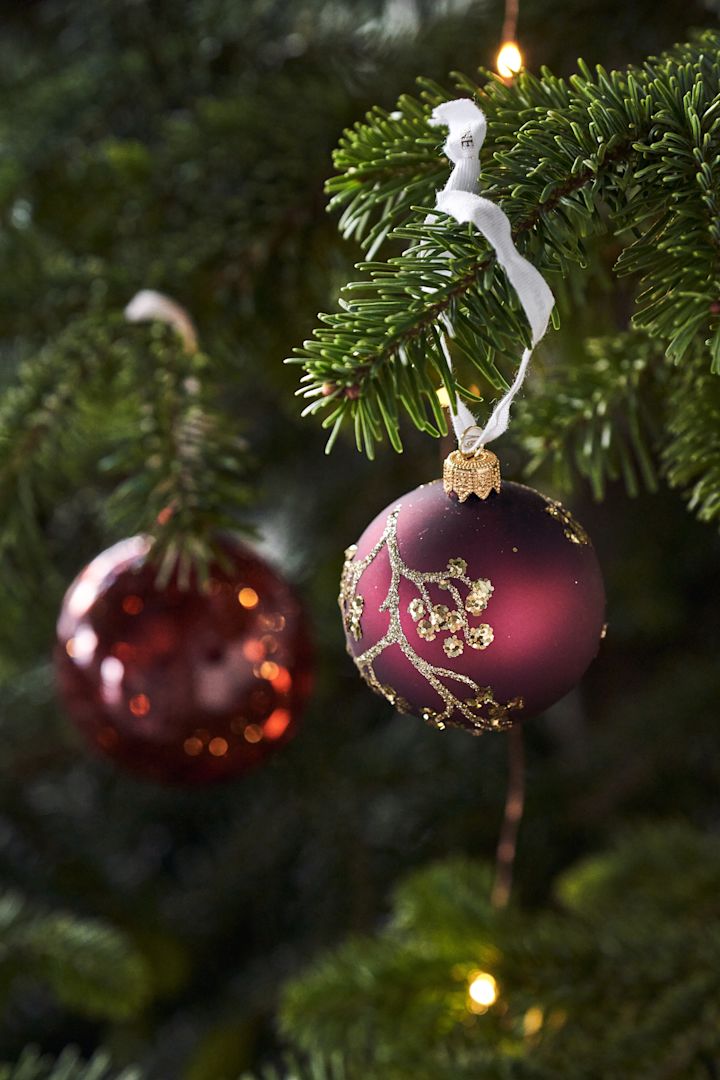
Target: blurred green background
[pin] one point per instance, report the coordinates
(183, 146)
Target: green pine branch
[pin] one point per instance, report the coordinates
(92, 968)
(692, 453)
(307, 1067)
(126, 408)
(33, 1065)
(182, 462)
(597, 417)
(622, 160)
(385, 166)
(627, 962)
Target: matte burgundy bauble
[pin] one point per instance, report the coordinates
(182, 684)
(475, 613)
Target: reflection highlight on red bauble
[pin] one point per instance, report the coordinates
(189, 684)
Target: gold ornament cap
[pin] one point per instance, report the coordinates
(471, 474)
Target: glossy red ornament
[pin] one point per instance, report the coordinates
(182, 685)
(475, 613)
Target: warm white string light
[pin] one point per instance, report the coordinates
(509, 60)
(482, 991)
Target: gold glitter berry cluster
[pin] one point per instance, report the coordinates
(433, 619)
(477, 712)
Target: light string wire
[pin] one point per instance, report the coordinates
(512, 11)
(467, 126)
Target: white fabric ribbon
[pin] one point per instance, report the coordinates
(466, 132)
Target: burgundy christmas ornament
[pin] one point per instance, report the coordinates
(183, 685)
(474, 604)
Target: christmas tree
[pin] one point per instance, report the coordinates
(333, 911)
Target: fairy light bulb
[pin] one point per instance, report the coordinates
(444, 398)
(482, 991)
(509, 60)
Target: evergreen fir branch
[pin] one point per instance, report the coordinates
(33, 1065)
(386, 165)
(602, 142)
(454, 1065)
(34, 412)
(681, 247)
(636, 869)
(310, 1067)
(183, 464)
(449, 899)
(692, 453)
(596, 417)
(92, 968)
(176, 457)
(415, 973)
(392, 161)
(385, 344)
(38, 436)
(637, 973)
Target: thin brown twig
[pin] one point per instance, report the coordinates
(514, 804)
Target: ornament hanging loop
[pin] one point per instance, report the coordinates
(151, 306)
(471, 442)
(467, 126)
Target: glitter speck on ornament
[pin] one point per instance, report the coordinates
(184, 685)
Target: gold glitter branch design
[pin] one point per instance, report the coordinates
(479, 708)
(573, 530)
